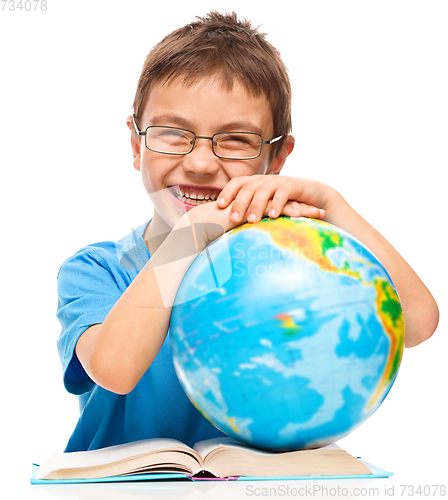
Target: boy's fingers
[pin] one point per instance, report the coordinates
(295, 209)
(263, 197)
(231, 190)
(279, 201)
(242, 201)
(257, 196)
(254, 197)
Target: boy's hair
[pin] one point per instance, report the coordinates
(221, 44)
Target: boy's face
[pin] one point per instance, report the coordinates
(204, 108)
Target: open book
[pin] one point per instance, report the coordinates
(218, 458)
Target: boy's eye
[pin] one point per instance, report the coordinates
(238, 141)
(175, 134)
(168, 140)
(168, 132)
(236, 138)
(169, 135)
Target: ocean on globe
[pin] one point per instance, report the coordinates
(287, 334)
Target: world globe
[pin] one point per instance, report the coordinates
(287, 334)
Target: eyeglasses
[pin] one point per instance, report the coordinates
(226, 145)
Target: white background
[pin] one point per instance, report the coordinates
(370, 109)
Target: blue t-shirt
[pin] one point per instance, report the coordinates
(89, 284)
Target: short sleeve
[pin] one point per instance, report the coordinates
(87, 291)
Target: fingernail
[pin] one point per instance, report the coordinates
(252, 218)
(221, 200)
(273, 213)
(235, 216)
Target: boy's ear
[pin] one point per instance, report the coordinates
(135, 142)
(280, 157)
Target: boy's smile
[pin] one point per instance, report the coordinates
(192, 196)
(205, 108)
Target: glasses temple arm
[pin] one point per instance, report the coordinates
(273, 140)
(139, 132)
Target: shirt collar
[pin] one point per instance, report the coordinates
(132, 252)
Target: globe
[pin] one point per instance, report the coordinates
(287, 334)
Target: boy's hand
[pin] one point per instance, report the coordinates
(258, 196)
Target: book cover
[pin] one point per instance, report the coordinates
(376, 473)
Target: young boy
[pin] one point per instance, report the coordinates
(211, 122)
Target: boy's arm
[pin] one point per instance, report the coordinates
(117, 353)
(258, 194)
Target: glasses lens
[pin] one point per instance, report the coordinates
(238, 145)
(169, 140)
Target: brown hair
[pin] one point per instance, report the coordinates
(224, 45)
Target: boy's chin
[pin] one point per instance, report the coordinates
(171, 216)
(167, 207)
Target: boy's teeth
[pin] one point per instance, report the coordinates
(197, 198)
(192, 201)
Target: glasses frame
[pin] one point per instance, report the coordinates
(212, 138)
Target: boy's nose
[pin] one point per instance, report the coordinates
(202, 160)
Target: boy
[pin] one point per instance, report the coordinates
(211, 122)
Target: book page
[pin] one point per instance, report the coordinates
(209, 445)
(111, 454)
(226, 457)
